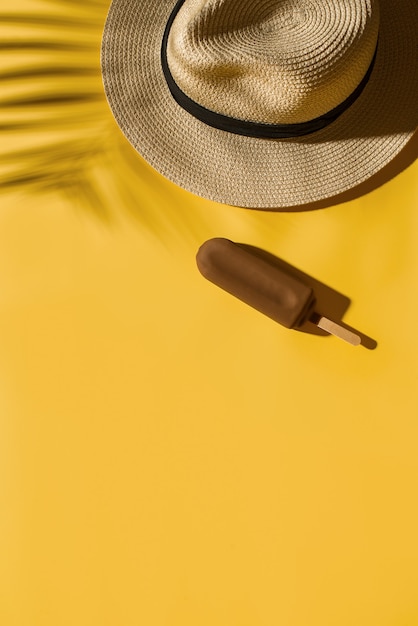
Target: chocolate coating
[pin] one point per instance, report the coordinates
(252, 279)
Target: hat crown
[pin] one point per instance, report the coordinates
(272, 61)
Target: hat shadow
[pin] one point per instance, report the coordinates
(328, 302)
(401, 162)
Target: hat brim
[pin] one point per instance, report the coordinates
(252, 172)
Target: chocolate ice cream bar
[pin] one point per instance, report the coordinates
(266, 287)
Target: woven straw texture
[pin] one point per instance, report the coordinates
(274, 62)
(266, 61)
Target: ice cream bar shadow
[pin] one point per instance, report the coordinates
(277, 289)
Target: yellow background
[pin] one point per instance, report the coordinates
(168, 456)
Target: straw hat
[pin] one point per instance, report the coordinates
(264, 103)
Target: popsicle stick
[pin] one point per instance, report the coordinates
(339, 331)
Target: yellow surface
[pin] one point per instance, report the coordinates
(168, 456)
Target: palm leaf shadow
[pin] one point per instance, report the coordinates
(49, 83)
(57, 129)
